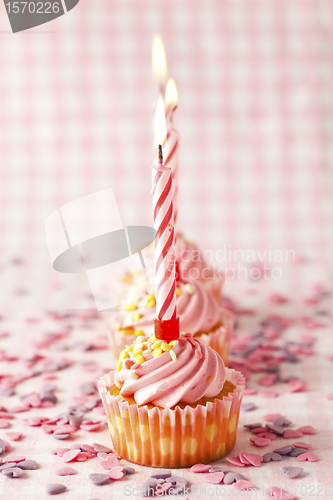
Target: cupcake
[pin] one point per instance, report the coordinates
(191, 266)
(197, 308)
(172, 404)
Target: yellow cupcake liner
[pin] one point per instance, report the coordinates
(173, 437)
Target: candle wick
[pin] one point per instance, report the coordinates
(160, 154)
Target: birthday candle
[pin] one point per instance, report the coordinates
(170, 148)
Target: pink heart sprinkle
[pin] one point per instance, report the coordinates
(15, 458)
(116, 473)
(306, 446)
(271, 417)
(197, 468)
(260, 441)
(296, 386)
(253, 458)
(70, 455)
(249, 391)
(109, 463)
(258, 430)
(292, 433)
(90, 427)
(235, 461)
(330, 396)
(308, 456)
(4, 424)
(8, 446)
(307, 429)
(82, 457)
(243, 459)
(242, 484)
(267, 380)
(65, 471)
(13, 436)
(267, 435)
(214, 477)
(268, 394)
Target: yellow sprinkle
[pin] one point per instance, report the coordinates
(152, 338)
(166, 347)
(138, 333)
(156, 345)
(136, 316)
(124, 354)
(119, 366)
(127, 331)
(137, 353)
(178, 291)
(133, 376)
(157, 352)
(151, 301)
(129, 348)
(171, 342)
(129, 307)
(140, 359)
(173, 355)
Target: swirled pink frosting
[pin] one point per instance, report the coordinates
(197, 309)
(198, 371)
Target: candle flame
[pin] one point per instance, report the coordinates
(171, 96)
(159, 124)
(160, 70)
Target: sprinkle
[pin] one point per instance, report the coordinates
(214, 477)
(235, 461)
(65, 471)
(173, 355)
(152, 338)
(15, 458)
(151, 301)
(252, 458)
(243, 485)
(271, 417)
(257, 441)
(292, 433)
(141, 338)
(12, 472)
(70, 455)
(292, 472)
(175, 342)
(28, 465)
(140, 359)
(137, 353)
(189, 289)
(138, 346)
(55, 488)
(99, 479)
(198, 468)
(116, 473)
(157, 345)
(139, 333)
(13, 436)
(119, 366)
(136, 316)
(124, 354)
(166, 347)
(118, 384)
(178, 291)
(309, 456)
(271, 457)
(232, 477)
(133, 375)
(129, 470)
(306, 446)
(307, 429)
(157, 352)
(129, 307)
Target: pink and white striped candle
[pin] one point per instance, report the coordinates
(165, 283)
(170, 148)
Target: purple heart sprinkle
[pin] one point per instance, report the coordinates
(99, 479)
(28, 465)
(232, 477)
(161, 474)
(292, 472)
(271, 457)
(284, 451)
(12, 472)
(55, 488)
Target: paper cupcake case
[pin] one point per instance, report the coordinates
(219, 339)
(173, 437)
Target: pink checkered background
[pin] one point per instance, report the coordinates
(255, 120)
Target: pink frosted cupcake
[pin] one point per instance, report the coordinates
(197, 308)
(172, 404)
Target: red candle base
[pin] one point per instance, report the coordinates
(167, 329)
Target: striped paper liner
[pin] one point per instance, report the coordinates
(173, 437)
